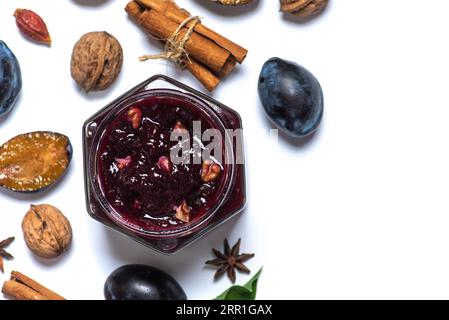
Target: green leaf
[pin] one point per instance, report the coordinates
(245, 292)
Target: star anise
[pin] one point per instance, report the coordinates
(3, 253)
(229, 260)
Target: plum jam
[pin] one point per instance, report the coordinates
(137, 175)
(146, 173)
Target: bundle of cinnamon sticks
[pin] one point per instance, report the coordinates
(209, 56)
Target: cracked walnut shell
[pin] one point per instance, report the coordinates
(96, 61)
(46, 230)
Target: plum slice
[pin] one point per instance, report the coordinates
(34, 161)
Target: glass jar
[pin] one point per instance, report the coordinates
(230, 196)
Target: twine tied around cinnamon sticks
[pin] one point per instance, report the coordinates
(206, 54)
(174, 47)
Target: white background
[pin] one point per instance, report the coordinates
(358, 211)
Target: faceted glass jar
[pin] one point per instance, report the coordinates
(231, 197)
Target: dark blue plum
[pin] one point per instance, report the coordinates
(10, 78)
(140, 282)
(291, 96)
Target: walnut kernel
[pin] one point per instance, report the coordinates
(210, 171)
(183, 212)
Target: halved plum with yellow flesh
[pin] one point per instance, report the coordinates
(33, 161)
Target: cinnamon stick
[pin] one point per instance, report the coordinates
(207, 78)
(22, 287)
(198, 47)
(228, 67)
(171, 10)
(19, 291)
(134, 10)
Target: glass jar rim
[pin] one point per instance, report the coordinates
(229, 177)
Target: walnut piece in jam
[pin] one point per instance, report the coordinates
(138, 177)
(210, 171)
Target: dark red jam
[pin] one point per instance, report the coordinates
(137, 175)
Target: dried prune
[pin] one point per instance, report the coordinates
(10, 78)
(33, 161)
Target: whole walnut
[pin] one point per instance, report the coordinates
(96, 61)
(233, 2)
(303, 9)
(46, 230)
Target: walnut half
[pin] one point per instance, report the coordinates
(46, 230)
